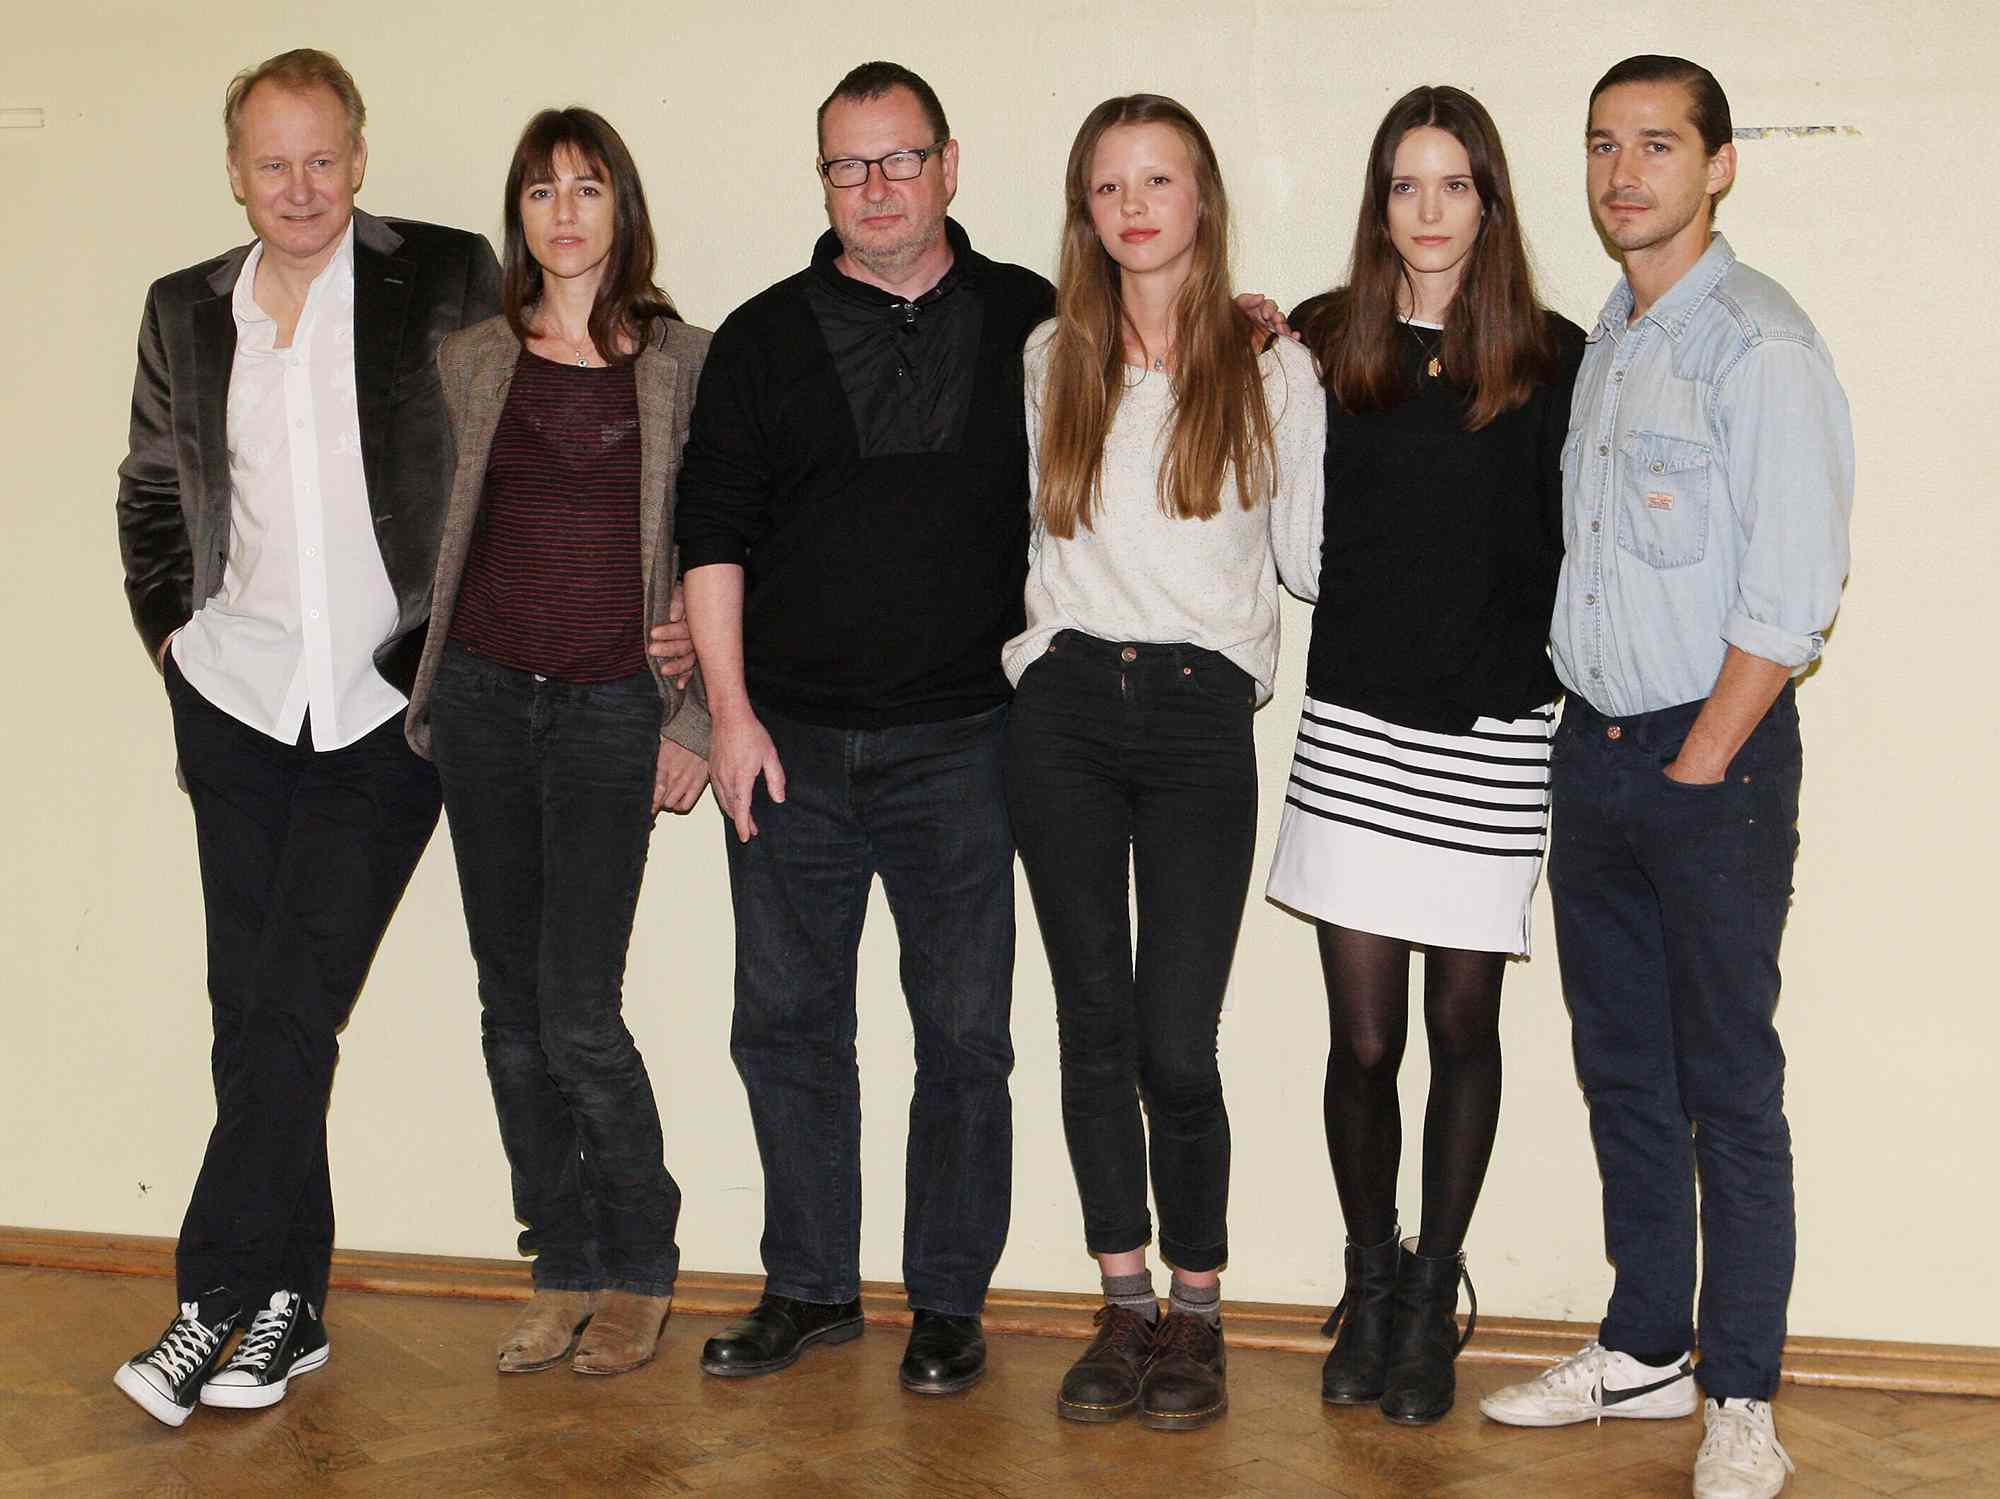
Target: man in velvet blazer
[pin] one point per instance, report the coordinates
(279, 513)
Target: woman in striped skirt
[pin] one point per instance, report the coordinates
(1418, 803)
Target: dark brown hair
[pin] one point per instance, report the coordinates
(1496, 341)
(871, 80)
(1708, 106)
(300, 69)
(628, 303)
(1221, 422)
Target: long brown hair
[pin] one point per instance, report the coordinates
(1496, 340)
(627, 302)
(1221, 422)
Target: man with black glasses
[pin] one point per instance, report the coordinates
(853, 530)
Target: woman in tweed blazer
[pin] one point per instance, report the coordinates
(556, 742)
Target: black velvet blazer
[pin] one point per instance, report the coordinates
(413, 284)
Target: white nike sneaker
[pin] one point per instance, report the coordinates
(1740, 1457)
(1595, 1383)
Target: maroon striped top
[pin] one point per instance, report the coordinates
(552, 582)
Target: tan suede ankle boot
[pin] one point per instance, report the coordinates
(545, 1332)
(623, 1335)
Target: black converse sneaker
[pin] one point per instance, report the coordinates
(167, 1377)
(285, 1338)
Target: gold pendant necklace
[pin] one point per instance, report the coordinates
(1435, 367)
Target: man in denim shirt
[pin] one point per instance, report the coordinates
(1707, 479)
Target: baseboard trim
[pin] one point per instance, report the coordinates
(1851, 1363)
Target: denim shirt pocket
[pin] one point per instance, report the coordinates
(1663, 499)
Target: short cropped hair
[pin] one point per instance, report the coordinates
(1708, 106)
(874, 79)
(297, 70)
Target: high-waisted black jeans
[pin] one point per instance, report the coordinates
(1127, 757)
(548, 791)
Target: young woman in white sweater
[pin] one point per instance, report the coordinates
(1165, 448)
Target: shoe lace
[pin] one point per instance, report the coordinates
(261, 1341)
(1581, 1375)
(186, 1346)
(1119, 1325)
(1737, 1438)
(1180, 1333)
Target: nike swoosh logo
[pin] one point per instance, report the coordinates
(1610, 1396)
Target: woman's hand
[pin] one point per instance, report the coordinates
(1266, 315)
(671, 645)
(739, 750)
(678, 778)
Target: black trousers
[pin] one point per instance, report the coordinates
(1130, 768)
(303, 858)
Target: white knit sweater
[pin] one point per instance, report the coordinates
(1142, 575)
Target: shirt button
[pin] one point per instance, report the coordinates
(1617, 375)
(1614, 732)
(300, 424)
(1588, 598)
(1597, 525)
(1603, 448)
(312, 551)
(1596, 675)
(1659, 468)
(1130, 653)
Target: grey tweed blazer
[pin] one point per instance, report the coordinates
(478, 366)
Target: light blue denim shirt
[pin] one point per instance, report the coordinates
(1707, 478)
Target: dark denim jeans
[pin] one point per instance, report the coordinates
(922, 805)
(1138, 758)
(548, 789)
(303, 858)
(1670, 902)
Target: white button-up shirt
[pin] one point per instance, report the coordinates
(305, 600)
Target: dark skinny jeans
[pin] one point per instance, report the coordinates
(548, 790)
(1128, 757)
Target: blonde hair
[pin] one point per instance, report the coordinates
(1221, 422)
(297, 70)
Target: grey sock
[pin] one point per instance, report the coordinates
(1134, 1291)
(1204, 1302)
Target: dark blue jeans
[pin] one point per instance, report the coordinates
(1670, 902)
(1138, 759)
(548, 789)
(921, 805)
(303, 858)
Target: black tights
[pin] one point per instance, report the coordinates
(1368, 1008)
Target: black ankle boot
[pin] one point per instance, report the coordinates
(1420, 1385)
(1354, 1371)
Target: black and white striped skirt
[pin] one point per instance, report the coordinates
(1435, 839)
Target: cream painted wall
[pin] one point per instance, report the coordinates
(1882, 235)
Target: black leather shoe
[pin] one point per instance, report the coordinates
(1354, 1371)
(1184, 1386)
(1103, 1385)
(777, 1330)
(1420, 1386)
(946, 1354)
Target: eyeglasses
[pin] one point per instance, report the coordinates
(897, 166)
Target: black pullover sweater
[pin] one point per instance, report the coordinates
(865, 459)
(1438, 571)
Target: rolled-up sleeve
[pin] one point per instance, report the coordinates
(723, 501)
(1791, 486)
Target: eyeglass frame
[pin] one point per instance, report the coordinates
(923, 155)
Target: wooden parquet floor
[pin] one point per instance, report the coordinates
(409, 1406)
